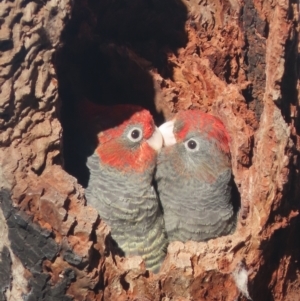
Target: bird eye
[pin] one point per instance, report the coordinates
(192, 145)
(135, 135)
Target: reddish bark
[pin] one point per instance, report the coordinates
(236, 60)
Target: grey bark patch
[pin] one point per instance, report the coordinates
(31, 244)
(72, 258)
(5, 272)
(256, 33)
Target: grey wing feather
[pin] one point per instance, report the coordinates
(132, 211)
(196, 210)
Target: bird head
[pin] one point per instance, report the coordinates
(198, 141)
(126, 136)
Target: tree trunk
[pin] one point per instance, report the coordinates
(237, 60)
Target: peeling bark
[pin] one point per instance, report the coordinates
(238, 61)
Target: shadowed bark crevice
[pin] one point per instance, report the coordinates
(236, 60)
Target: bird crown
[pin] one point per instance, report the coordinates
(209, 125)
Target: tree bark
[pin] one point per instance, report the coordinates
(236, 60)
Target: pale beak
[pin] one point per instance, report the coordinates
(156, 140)
(166, 130)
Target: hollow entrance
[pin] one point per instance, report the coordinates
(109, 49)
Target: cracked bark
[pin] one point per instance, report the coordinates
(237, 61)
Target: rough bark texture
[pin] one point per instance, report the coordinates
(236, 60)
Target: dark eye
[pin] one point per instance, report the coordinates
(192, 144)
(135, 134)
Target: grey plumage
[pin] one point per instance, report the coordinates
(124, 143)
(128, 203)
(194, 185)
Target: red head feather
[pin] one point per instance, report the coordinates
(206, 124)
(108, 123)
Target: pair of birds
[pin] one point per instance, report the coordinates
(192, 172)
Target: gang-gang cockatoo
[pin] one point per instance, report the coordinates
(124, 143)
(194, 177)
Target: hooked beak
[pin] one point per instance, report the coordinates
(166, 130)
(156, 140)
